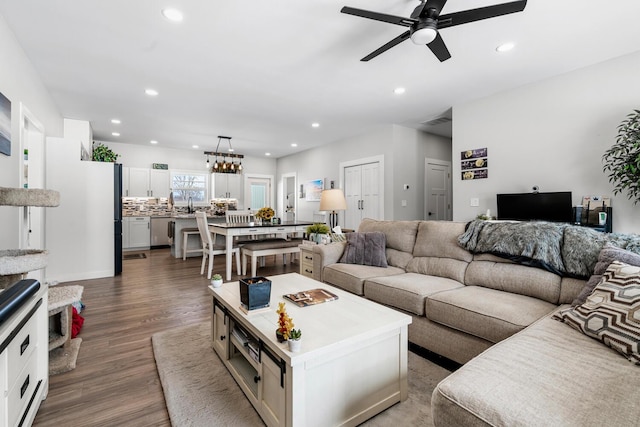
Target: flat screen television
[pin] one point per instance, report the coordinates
(554, 207)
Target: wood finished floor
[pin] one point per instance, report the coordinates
(115, 382)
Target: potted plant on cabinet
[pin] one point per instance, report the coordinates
(622, 160)
(102, 153)
(216, 280)
(315, 232)
(295, 340)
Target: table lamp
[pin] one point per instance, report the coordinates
(333, 200)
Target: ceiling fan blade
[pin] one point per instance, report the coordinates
(472, 15)
(391, 19)
(402, 37)
(439, 49)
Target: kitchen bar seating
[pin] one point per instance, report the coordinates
(209, 249)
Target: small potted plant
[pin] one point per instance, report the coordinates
(295, 340)
(216, 280)
(285, 324)
(315, 231)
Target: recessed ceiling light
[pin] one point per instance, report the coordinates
(115, 134)
(505, 47)
(195, 146)
(153, 141)
(115, 121)
(399, 90)
(315, 125)
(151, 92)
(267, 154)
(294, 145)
(172, 14)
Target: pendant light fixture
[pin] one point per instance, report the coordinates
(224, 166)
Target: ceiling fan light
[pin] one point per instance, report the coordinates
(424, 35)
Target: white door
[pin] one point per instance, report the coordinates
(159, 183)
(32, 171)
(139, 232)
(138, 182)
(437, 190)
(258, 194)
(362, 191)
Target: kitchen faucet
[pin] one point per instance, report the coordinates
(190, 205)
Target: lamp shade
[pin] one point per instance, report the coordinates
(332, 200)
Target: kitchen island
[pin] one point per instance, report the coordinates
(183, 221)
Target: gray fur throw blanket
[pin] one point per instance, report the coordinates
(564, 249)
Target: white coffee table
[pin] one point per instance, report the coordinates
(353, 362)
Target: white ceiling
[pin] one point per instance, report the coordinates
(263, 71)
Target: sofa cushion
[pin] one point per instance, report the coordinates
(607, 255)
(351, 277)
(515, 278)
(443, 267)
(365, 249)
(440, 239)
(547, 375)
(611, 314)
(398, 258)
(400, 235)
(486, 313)
(406, 291)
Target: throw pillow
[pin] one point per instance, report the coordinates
(365, 249)
(607, 255)
(611, 314)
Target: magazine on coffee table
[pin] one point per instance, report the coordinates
(311, 297)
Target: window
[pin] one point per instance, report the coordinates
(190, 184)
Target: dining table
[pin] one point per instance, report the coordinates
(251, 229)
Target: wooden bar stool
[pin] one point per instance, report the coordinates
(186, 232)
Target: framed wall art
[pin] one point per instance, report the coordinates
(474, 164)
(313, 190)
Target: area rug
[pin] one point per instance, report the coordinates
(133, 256)
(199, 391)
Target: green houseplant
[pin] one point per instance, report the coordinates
(622, 160)
(216, 280)
(315, 231)
(102, 153)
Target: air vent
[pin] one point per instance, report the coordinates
(437, 121)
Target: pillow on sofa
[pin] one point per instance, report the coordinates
(607, 255)
(365, 249)
(609, 313)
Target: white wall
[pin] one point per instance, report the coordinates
(80, 232)
(551, 134)
(143, 156)
(20, 84)
(404, 151)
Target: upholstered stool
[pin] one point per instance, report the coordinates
(186, 232)
(63, 351)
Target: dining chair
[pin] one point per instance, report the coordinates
(235, 217)
(209, 247)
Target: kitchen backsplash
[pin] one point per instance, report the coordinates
(145, 206)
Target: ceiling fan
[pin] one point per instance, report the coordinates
(425, 21)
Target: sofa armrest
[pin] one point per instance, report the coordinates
(324, 255)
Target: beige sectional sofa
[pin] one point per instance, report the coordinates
(463, 304)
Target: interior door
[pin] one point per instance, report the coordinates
(353, 194)
(437, 194)
(370, 191)
(32, 218)
(259, 193)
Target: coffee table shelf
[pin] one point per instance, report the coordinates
(366, 343)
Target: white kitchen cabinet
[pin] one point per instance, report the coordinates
(227, 186)
(159, 183)
(143, 182)
(138, 182)
(136, 232)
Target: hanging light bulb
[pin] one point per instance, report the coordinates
(240, 165)
(215, 165)
(233, 166)
(224, 164)
(207, 161)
